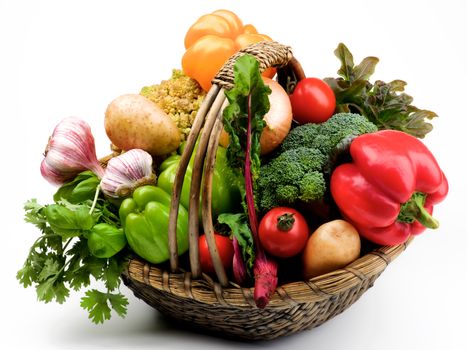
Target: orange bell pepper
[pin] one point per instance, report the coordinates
(211, 40)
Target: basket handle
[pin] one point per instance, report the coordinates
(268, 54)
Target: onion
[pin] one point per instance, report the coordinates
(278, 119)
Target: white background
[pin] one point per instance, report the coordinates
(61, 58)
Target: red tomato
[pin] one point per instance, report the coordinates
(224, 247)
(313, 101)
(283, 232)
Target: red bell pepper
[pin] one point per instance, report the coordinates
(388, 190)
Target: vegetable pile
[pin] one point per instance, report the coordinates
(308, 172)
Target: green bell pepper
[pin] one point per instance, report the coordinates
(145, 220)
(225, 184)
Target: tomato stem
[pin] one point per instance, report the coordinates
(285, 222)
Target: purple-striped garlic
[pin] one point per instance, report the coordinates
(126, 172)
(70, 150)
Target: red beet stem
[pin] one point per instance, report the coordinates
(238, 265)
(265, 270)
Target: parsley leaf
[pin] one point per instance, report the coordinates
(97, 303)
(118, 303)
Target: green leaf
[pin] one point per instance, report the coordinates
(85, 190)
(365, 69)
(96, 303)
(247, 82)
(67, 222)
(113, 272)
(384, 104)
(51, 289)
(107, 213)
(95, 266)
(45, 290)
(347, 64)
(352, 93)
(79, 277)
(82, 188)
(238, 224)
(84, 220)
(118, 303)
(397, 85)
(61, 292)
(26, 275)
(104, 240)
(52, 267)
(33, 214)
(53, 242)
(337, 84)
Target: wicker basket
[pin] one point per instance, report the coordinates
(221, 306)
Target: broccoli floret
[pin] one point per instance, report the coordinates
(297, 173)
(301, 136)
(326, 136)
(312, 186)
(286, 194)
(339, 127)
(294, 174)
(180, 97)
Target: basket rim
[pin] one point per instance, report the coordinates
(208, 291)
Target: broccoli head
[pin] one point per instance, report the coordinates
(294, 174)
(326, 136)
(299, 170)
(339, 127)
(301, 136)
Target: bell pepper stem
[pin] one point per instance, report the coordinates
(414, 209)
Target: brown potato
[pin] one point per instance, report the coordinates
(133, 121)
(332, 246)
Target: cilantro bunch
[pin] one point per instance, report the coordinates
(61, 260)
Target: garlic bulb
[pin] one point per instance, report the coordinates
(70, 150)
(127, 172)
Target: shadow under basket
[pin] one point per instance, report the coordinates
(218, 305)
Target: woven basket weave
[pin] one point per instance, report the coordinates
(221, 306)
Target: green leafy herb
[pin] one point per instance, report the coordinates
(99, 305)
(243, 120)
(384, 104)
(106, 240)
(67, 222)
(248, 86)
(62, 258)
(82, 188)
(238, 224)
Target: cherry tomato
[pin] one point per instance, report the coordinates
(224, 247)
(283, 232)
(313, 101)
